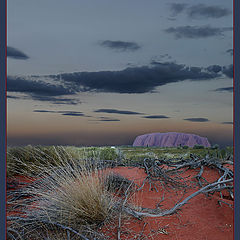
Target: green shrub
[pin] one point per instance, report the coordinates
(108, 154)
(197, 146)
(185, 147)
(215, 146)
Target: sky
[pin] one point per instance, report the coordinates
(103, 72)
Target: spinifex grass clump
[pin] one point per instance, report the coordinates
(31, 160)
(67, 196)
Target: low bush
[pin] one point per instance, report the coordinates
(198, 146)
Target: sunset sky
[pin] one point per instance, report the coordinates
(101, 72)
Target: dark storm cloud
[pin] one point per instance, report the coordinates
(120, 45)
(194, 32)
(134, 79)
(40, 90)
(196, 119)
(116, 111)
(156, 117)
(230, 51)
(228, 71)
(204, 11)
(16, 54)
(177, 8)
(225, 89)
(227, 123)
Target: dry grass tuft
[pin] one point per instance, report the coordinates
(67, 196)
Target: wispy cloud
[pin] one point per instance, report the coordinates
(199, 11)
(228, 71)
(230, 51)
(156, 117)
(104, 119)
(116, 111)
(64, 113)
(120, 45)
(224, 89)
(227, 123)
(196, 119)
(177, 8)
(207, 11)
(194, 32)
(16, 54)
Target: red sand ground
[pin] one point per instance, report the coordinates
(203, 218)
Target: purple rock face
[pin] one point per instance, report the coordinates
(170, 139)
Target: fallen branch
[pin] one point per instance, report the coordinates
(177, 206)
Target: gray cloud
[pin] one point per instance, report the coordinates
(13, 97)
(177, 8)
(16, 54)
(116, 111)
(18, 84)
(131, 80)
(196, 119)
(214, 68)
(40, 90)
(64, 113)
(227, 123)
(228, 70)
(156, 117)
(194, 32)
(225, 89)
(104, 119)
(120, 45)
(135, 79)
(109, 120)
(73, 114)
(44, 111)
(204, 11)
(230, 51)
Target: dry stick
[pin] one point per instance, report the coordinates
(177, 206)
(139, 238)
(199, 176)
(9, 230)
(120, 214)
(230, 205)
(52, 223)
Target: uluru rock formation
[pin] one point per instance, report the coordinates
(170, 139)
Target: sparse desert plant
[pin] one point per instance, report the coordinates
(197, 146)
(31, 160)
(67, 195)
(185, 147)
(108, 153)
(215, 146)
